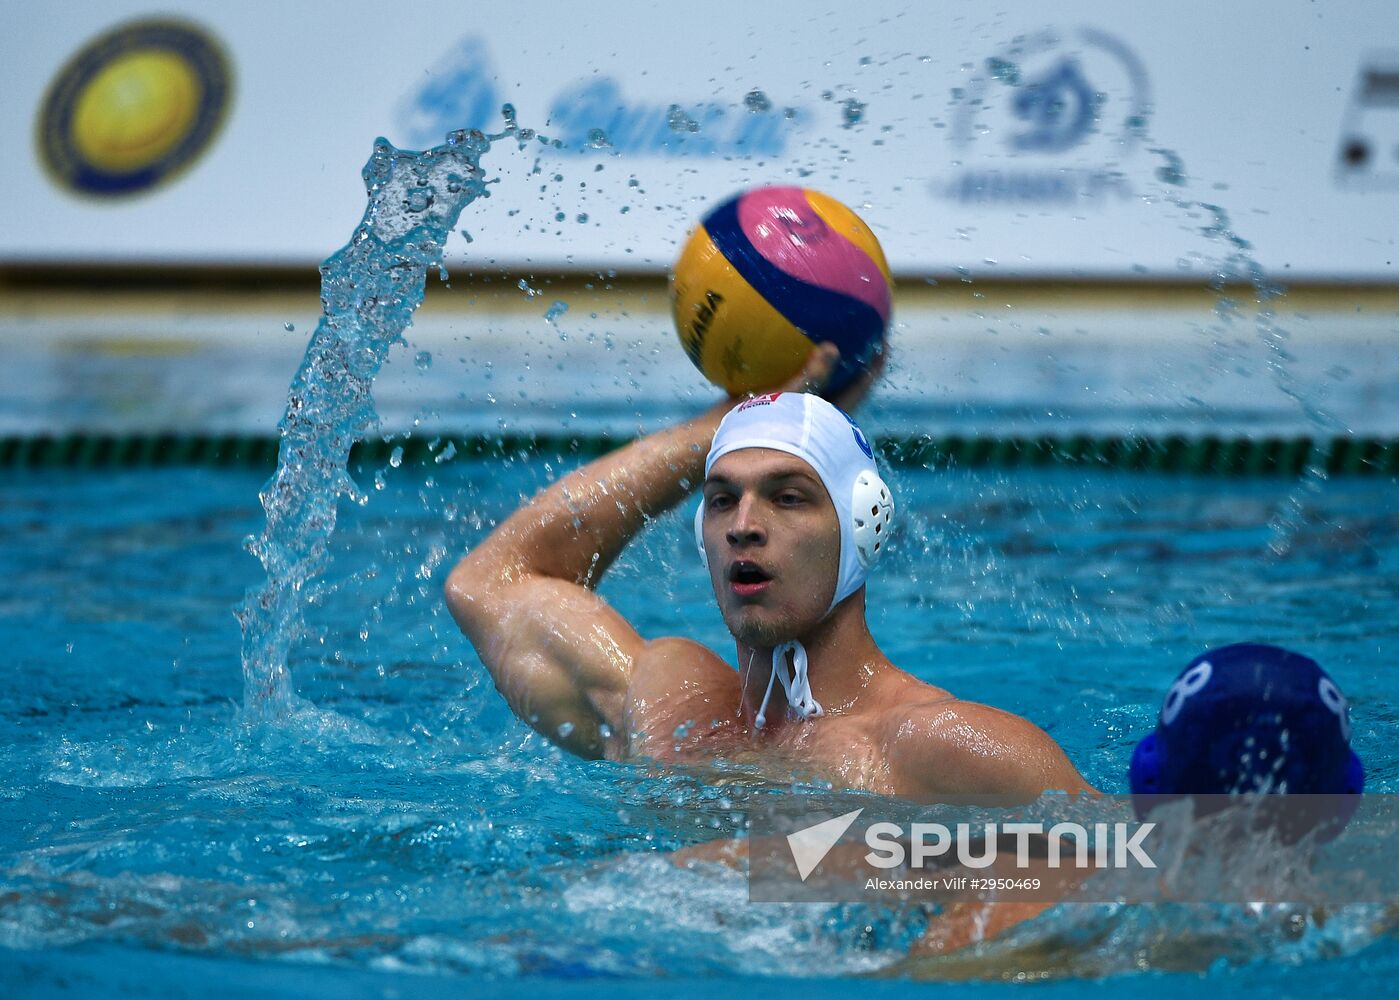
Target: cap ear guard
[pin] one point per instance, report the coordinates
(872, 512)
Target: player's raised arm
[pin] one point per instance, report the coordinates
(560, 655)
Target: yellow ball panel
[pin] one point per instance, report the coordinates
(135, 110)
(851, 226)
(737, 340)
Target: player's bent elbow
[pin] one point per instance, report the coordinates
(468, 590)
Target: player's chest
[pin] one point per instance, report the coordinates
(832, 751)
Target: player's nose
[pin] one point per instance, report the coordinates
(746, 527)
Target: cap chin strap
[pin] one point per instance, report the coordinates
(795, 683)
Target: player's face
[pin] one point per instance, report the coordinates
(773, 541)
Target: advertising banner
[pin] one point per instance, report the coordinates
(1006, 140)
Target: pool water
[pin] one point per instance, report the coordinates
(402, 821)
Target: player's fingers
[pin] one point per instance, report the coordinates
(816, 371)
(849, 398)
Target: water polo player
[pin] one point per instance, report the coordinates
(1243, 720)
(793, 515)
(1253, 718)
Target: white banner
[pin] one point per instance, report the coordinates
(1083, 140)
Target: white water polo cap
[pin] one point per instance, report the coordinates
(821, 435)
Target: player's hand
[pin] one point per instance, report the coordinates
(821, 364)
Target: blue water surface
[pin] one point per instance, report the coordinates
(404, 833)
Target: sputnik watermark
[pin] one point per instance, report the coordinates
(1101, 848)
(811, 845)
(893, 845)
(1114, 845)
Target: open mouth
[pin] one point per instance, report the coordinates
(748, 578)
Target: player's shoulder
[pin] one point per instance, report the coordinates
(908, 705)
(946, 745)
(941, 722)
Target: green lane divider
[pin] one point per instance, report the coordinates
(1203, 455)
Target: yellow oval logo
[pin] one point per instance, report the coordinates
(135, 107)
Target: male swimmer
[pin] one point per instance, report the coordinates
(1242, 719)
(792, 517)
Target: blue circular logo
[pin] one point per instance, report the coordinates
(860, 438)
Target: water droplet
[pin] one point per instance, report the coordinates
(423, 359)
(289, 326)
(396, 456)
(597, 139)
(679, 121)
(468, 236)
(582, 217)
(1173, 170)
(565, 729)
(417, 200)
(757, 102)
(852, 112)
(1003, 70)
(556, 310)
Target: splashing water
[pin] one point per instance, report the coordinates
(1240, 265)
(370, 289)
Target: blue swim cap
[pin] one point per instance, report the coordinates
(1250, 718)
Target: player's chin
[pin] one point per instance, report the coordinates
(761, 627)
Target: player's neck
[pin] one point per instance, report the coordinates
(842, 661)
